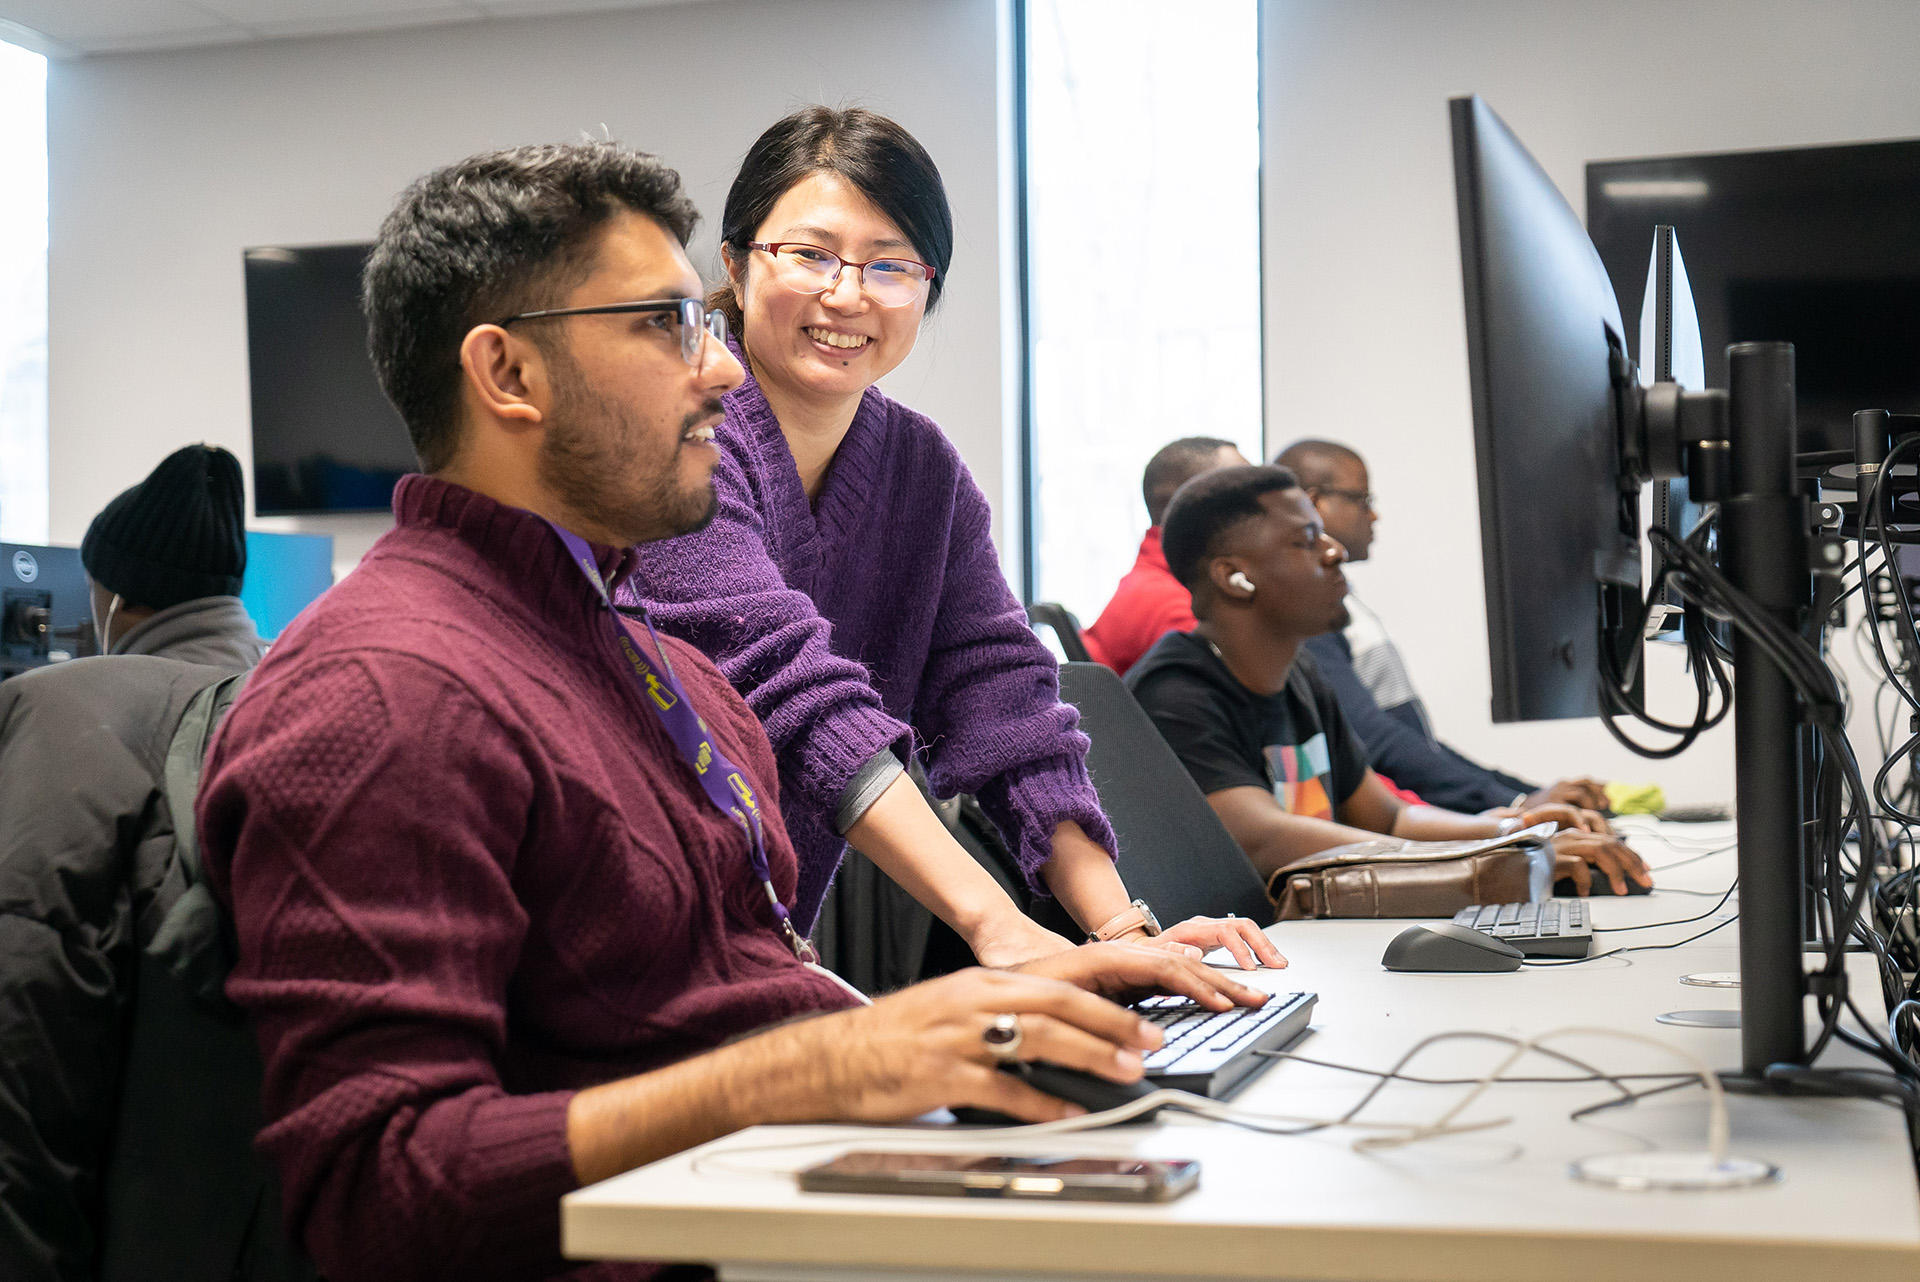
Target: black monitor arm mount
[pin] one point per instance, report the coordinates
(1736, 448)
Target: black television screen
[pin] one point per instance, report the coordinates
(325, 438)
(1816, 246)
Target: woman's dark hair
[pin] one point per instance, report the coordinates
(491, 236)
(874, 155)
(1207, 509)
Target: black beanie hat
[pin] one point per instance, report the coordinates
(176, 536)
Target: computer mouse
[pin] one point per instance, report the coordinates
(1093, 1093)
(1445, 946)
(1565, 889)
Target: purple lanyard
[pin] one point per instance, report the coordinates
(722, 781)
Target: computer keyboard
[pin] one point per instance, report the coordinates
(1543, 928)
(1213, 1053)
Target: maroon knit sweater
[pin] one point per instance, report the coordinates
(470, 875)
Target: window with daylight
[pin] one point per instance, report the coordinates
(1142, 173)
(23, 297)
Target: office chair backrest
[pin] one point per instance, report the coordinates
(1048, 614)
(1174, 851)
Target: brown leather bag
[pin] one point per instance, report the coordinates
(1394, 878)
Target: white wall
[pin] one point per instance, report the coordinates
(164, 166)
(1365, 336)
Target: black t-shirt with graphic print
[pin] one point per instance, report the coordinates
(1296, 743)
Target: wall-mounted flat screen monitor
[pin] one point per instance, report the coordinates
(325, 438)
(1816, 246)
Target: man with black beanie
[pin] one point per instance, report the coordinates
(85, 835)
(165, 559)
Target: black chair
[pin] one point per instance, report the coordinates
(1174, 851)
(1049, 614)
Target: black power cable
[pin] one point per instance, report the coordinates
(1843, 804)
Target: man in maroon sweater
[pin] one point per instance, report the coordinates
(497, 936)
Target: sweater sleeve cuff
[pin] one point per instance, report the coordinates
(1028, 802)
(517, 1167)
(864, 789)
(839, 746)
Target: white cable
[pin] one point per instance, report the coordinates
(1178, 1101)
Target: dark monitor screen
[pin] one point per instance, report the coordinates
(325, 438)
(1817, 246)
(1559, 540)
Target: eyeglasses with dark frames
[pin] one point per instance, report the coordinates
(695, 322)
(809, 269)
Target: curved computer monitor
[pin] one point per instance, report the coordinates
(1559, 536)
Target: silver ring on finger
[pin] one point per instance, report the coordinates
(1003, 1038)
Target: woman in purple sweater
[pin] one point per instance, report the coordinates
(847, 584)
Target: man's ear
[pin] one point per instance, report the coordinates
(1220, 575)
(505, 375)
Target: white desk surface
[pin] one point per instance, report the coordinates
(1489, 1207)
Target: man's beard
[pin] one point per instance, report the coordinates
(593, 443)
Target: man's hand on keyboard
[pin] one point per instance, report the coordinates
(1240, 936)
(1126, 970)
(1609, 854)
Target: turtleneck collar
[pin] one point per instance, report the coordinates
(517, 543)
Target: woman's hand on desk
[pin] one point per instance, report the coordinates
(1609, 854)
(1238, 935)
(1124, 971)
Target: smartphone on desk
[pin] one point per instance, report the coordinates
(1097, 1179)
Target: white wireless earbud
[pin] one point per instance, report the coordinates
(1241, 581)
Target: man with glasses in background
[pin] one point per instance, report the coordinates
(1364, 668)
(508, 880)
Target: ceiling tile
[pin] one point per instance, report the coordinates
(538, 8)
(79, 22)
(350, 24)
(116, 26)
(344, 14)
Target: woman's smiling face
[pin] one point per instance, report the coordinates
(824, 347)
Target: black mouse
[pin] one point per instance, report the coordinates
(1445, 946)
(1093, 1093)
(1565, 889)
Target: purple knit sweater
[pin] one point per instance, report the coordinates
(470, 875)
(875, 617)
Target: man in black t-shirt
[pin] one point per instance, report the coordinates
(1249, 714)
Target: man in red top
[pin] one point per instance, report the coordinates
(1150, 602)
